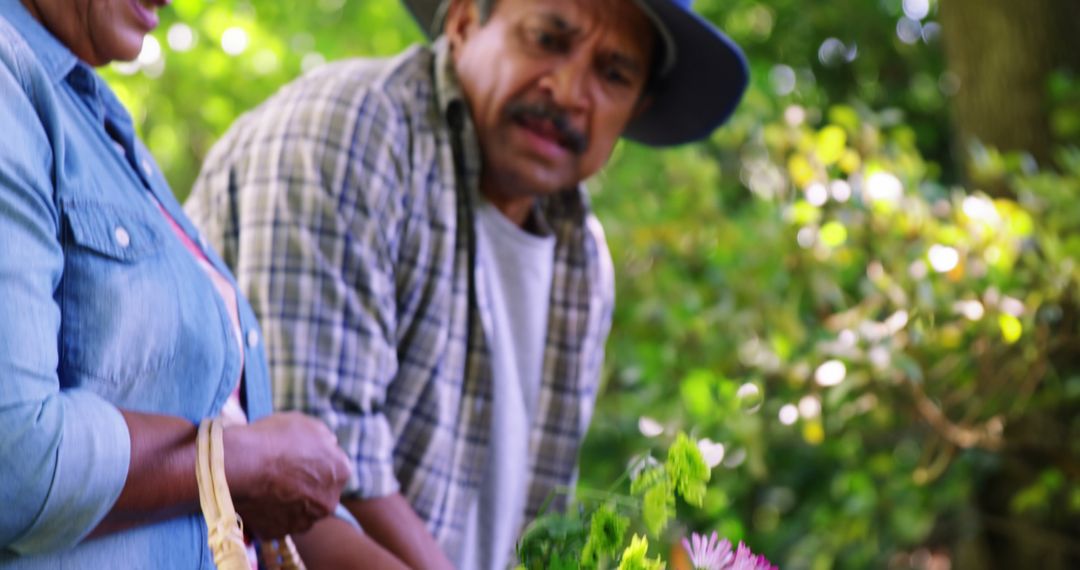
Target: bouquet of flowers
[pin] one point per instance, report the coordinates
(593, 534)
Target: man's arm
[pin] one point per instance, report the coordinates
(333, 544)
(393, 538)
(393, 524)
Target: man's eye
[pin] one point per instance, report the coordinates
(615, 76)
(548, 41)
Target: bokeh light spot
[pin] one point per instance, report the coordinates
(789, 414)
(649, 427)
(150, 52)
(943, 258)
(180, 37)
(750, 397)
(830, 373)
(234, 41)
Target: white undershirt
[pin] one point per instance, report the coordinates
(517, 271)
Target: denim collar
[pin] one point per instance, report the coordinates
(62, 65)
(54, 56)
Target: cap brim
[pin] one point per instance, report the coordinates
(695, 96)
(700, 91)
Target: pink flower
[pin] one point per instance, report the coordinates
(746, 560)
(709, 553)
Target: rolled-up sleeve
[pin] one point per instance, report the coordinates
(64, 454)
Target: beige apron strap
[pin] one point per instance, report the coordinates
(225, 530)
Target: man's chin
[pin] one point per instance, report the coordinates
(533, 178)
(545, 186)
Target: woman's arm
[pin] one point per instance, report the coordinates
(284, 472)
(63, 454)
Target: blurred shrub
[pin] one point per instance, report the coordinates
(864, 344)
(856, 337)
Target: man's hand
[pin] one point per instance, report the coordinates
(285, 472)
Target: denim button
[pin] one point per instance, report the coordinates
(122, 237)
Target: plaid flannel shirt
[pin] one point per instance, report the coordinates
(338, 204)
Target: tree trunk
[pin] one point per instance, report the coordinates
(1002, 53)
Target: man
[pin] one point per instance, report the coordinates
(414, 236)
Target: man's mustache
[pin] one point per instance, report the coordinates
(569, 137)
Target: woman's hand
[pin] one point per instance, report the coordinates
(285, 472)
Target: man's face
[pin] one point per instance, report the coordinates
(99, 31)
(551, 86)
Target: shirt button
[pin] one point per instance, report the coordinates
(252, 338)
(149, 170)
(122, 237)
(202, 242)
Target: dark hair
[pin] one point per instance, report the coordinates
(656, 70)
(485, 7)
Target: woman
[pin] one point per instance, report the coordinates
(119, 330)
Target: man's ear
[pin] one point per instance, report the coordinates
(462, 19)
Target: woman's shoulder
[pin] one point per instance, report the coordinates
(27, 116)
(17, 59)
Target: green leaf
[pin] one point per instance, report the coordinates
(687, 469)
(635, 557)
(607, 530)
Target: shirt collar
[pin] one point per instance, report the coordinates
(54, 56)
(454, 111)
(447, 88)
(62, 65)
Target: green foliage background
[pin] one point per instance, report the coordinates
(822, 226)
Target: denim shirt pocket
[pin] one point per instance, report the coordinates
(119, 299)
(111, 232)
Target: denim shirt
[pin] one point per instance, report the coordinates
(101, 307)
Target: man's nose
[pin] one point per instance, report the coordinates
(567, 83)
